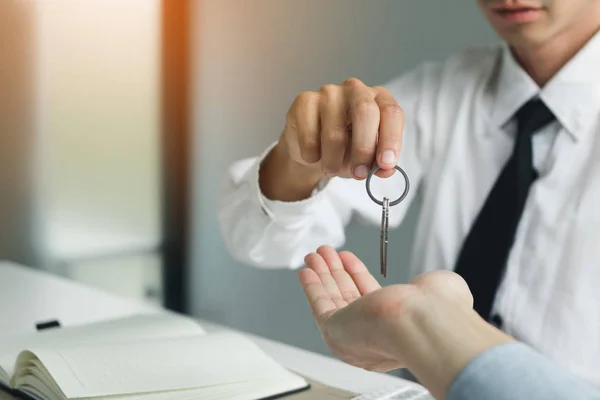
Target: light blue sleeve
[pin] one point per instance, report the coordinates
(514, 371)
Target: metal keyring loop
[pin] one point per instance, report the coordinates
(398, 200)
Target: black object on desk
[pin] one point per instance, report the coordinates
(40, 326)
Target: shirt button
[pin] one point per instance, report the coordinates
(496, 320)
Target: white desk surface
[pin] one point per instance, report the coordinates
(28, 296)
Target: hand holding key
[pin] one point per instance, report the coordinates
(340, 130)
(345, 130)
(349, 130)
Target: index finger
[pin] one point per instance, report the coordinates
(390, 129)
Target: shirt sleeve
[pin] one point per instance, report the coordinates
(514, 371)
(275, 234)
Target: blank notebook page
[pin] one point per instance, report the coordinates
(137, 327)
(186, 362)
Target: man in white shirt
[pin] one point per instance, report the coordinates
(503, 145)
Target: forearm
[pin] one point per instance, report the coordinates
(439, 341)
(282, 179)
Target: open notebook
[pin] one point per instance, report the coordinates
(143, 357)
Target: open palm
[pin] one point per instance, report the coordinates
(354, 314)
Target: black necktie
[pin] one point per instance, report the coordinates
(485, 251)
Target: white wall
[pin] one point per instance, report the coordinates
(252, 59)
(98, 118)
(80, 139)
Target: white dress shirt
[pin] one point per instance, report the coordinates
(459, 133)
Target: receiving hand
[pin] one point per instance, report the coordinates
(364, 324)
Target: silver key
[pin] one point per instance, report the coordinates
(385, 212)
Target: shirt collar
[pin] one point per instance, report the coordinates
(573, 94)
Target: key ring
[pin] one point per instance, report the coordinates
(398, 200)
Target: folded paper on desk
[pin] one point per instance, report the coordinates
(142, 357)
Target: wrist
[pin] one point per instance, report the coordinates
(281, 178)
(439, 339)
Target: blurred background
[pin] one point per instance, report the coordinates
(119, 119)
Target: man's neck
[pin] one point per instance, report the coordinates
(544, 61)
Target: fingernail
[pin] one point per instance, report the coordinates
(361, 171)
(388, 157)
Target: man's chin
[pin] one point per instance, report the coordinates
(524, 37)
